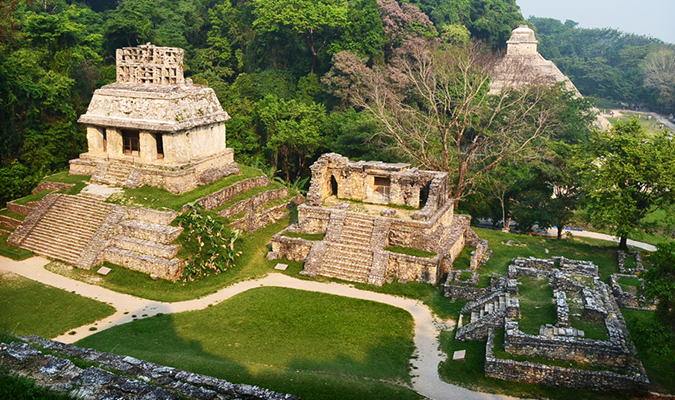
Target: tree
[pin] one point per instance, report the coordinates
(660, 283)
(628, 175)
(659, 72)
(317, 21)
(434, 103)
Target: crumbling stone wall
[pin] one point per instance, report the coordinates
(256, 218)
(567, 348)
(132, 379)
(420, 269)
(53, 186)
(528, 372)
(214, 200)
(254, 202)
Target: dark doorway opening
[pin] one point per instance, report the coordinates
(131, 142)
(105, 140)
(160, 146)
(333, 186)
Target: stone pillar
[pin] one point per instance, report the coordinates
(115, 145)
(148, 146)
(95, 139)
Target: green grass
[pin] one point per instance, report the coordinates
(19, 388)
(647, 124)
(628, 283)
(592, 329)
(152, 197)
(463, 260)
(251, 264)
(277, 202)
(306, 236)
(65, 177)
(411, 252)
(483, 281)
(12, 252)
(10, 214)
(656, 351)
(471, 374)
(601, 252)
(465, 275)
(28, 307)
(32, 197)
(313, 345)
(536, 304)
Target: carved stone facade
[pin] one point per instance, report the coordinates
(153, 127)
(355, 241)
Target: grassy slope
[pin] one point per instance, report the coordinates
(314, 345)
(14, 253)
(152, 197)
(28, 307)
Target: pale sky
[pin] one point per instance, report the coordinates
(654, 18)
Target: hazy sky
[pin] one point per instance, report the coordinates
(645, 17)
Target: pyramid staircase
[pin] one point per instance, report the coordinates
(143, 243)
(113, 173)
(486, 311)
(68, 228)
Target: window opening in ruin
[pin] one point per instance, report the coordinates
(382, 186)
(160, 146)
(131, 142)
(105, 140)
(333, 186)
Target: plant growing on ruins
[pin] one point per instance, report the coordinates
(212, 242)
(434, 104)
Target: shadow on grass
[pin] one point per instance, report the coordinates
(292, 353)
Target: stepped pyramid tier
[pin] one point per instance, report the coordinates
(364, 207)
(84, 232)
(154, 127)
(523, 65)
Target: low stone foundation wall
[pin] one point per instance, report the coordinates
(294, 249)
(8, 222)
(215, 200)
(134, 378)
(628, 300)
(21, 209)
(254, 202)
(53, 186)
(464, 292)
(256, 219)
(567, 348)
(523, 371)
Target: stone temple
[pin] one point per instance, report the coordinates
(154, 127)
(362, 208)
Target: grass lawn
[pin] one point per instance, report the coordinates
(32, 197)
(306, 236)
(10, 214)
(65, 177)
(536, 304)
(152, 197)
(630, 285)
(463, 260)
(657, 352)
(471, 374)
(28, 307)
(12, 252)
(410, 251)
(601, 252)
(313, 345)
(647, 124)
(592, 329)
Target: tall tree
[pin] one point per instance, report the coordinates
(318, 21)
(434, 104)
(628, 175)
(660, 283)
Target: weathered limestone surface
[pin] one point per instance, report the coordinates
(523, 371)
(215, 200)
(254, 202)
(259, 217)
(132, 378)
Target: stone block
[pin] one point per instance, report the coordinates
(281, 267)
(459, 355)
(103, 271)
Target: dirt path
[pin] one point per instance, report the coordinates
(426, 380)
(602, 236)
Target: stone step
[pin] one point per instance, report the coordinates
(47, 249)
(9, 222)
(146, 247)
(361, 278)
(162, 234)
(163, 268)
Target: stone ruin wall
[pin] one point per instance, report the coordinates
(527, 372)
(566, 348)
(356, 180)
(131, 378)
(149, 64)
(420, 269)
